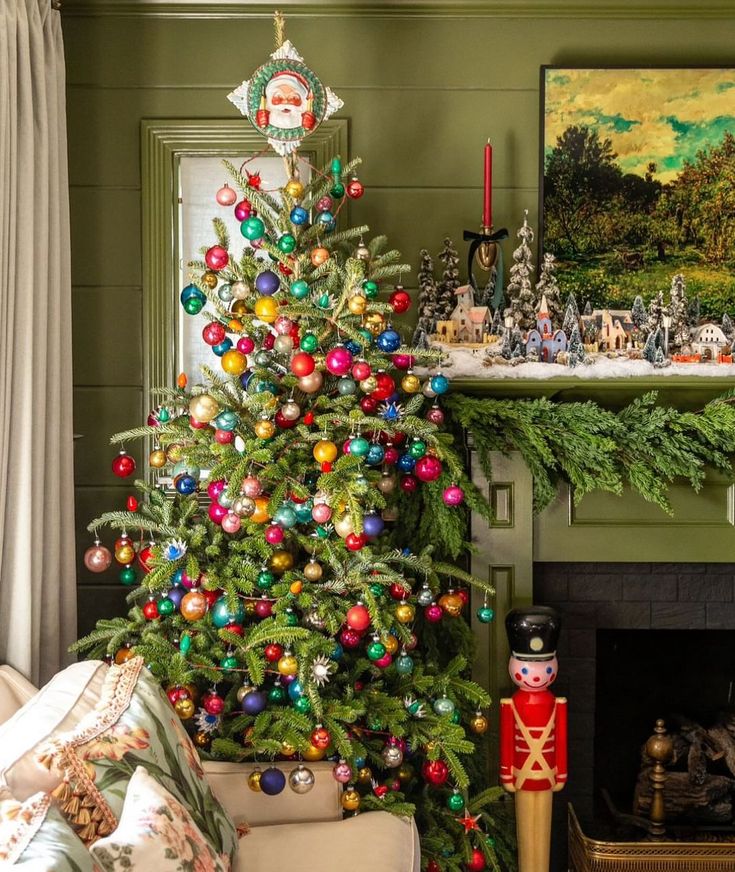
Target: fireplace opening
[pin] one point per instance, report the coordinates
(686, 677)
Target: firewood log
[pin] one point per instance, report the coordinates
(709, 802)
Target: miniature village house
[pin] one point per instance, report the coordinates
(709, 341)
(468, 323)
(613, 328)
(543, 339)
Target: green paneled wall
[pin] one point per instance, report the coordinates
(423, 90)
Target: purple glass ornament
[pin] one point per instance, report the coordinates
(267, 283)
(254, 702)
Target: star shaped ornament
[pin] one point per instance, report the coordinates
(470, 822)
(285, 100)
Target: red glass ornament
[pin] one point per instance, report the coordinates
(433, 866)
(380, 790)
(435, 772)
(361, 370)
(268, 341)
(399, 592)
(144, 558)
(321, 513)
(309, 419)
(211, 596)
(320, 738)
(369, 404)
(385, 387)
(464, 595)
(273, 652)
(264, 608)
(391, 454)
(213, 704)
(302, 363)
(274, 534)
(435, 415)
(428, 468)
(223, 437)
(213, 333)
(349, 638)
(132, 504)
(216, 487)
(385, 661)
(283, 422)
(216, 257)
(354, 189)
(197, 425)
(243, 210)
(254, 180)
(234, 628)
(399, 301)
(245, 345)
(355, 541)
(433, 613)
(150, 610)
(358, 618)
(409, 483)
(216, 512)
(476, 862)
(123, 465)
(285, 270)
(174, 694)
(338, 360)
(403, 361)
(226, 196)
(324, 204)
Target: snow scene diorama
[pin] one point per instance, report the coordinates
(533, 330)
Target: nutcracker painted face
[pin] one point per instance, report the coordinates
(286, 96)
(533, 675)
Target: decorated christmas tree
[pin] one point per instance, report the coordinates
(281, 587)
(549, 286)
(522, 301)
(446, 300)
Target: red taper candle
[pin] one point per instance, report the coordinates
(487, 208)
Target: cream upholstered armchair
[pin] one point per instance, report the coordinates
(299, 833)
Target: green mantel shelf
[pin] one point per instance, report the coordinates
(685, 392)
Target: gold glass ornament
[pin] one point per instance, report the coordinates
(234, 362)
(125, 553)
(250, 607)
(287, 750)
(235, 326)
(364, 776)
(312, 754)
(369, 384)
(387, 483)
(479, 723)
(202, 740)
(405, 773)
(261, 513)
(203, 408)
(157, 458)
(264, 428)
(390, 513)
(404, 613)
(254, 780)
(185, 708)
(243, 691)
(350, 799)
(175, 453)
(209, 280)
(325, 451)
(294, 189)
(375, 323)
(124, 654)
(281, 561)
(193, 606)
(240, 290)
(266, 308)
(313, 570)
(239, 308)
(452, 604)
(343, 526)
(411, 383)
(391, 643)
(243, 506)
(357, 304)
(288, 665)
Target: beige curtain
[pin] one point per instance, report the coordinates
(37, 565)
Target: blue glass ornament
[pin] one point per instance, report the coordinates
(439, 384)
(272, 780)
(223, 346)
(222, 614)
(353, 347)
(267, 283)
(375, 454)
(299, 215)
(388, 341)
(185, 484)
(266, 386)
(254, 703)
(405, 463)
(193, 300)
(372, 526)
(337, 652)
(245, 377)
(295, 690)
(178, 575)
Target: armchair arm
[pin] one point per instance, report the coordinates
(229, 782)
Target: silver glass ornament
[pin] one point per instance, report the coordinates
(301, 780)
(443, 706)
(243, 506)
(392, 756)
(239, 290)
(425, 596)
(283, 344)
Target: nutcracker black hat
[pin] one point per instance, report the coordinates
(533, 633)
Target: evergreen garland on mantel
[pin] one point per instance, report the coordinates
(644, 445)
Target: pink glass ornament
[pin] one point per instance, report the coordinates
(274, 534)
(385, 661)
(268, 341)
(188, 582)
(324, 204)
(215, 488)
(251, 487)
(264, 608)
(435, 415)
(216, 257)
(242, 210)
(428, 468)
(245, 345)
(398, 742)
(231, 523)
(226, 196)
(453, 495)
(433, 613)
(216, 512)
(338, 360)
(283, 325)
(342, 772)
(213, 333)
(412, 642)
(391, 454)
(97, 558)
(403, 361)
(321, 513)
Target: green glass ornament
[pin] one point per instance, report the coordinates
(455, 802)
(456, 717)
(309, 342)
(359, 446)
(265, 579)
(375, 650)
(277, 694)
(300, 289)
(346, 386)
(228, 663)
(417, 448)
(377, 589)
(370, 289)
(490, 842)
(163, 415)
(252, 228)
(193, 306)
(286, 243)
(291, 618)
(165, 606)
(485, 614)
(302, 705)
(185, 643)
(375, 725)
(128, 575)
(337, 191)
(324, 301)
(322, 532)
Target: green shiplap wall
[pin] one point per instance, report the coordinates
(423, 91)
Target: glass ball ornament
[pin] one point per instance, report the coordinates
(312, 383)
(213, 333)
(267, 283)
(354, 188)
(252, 228)
(411, 383)
(298, 216)
(294, 188)
(301, 780)
(283, 344)
(435, 416)
(433, 613)
(324, 204)
(375, 650)
(485, 614)
(439, 384)
(392, 756)
(288, 665)
(425, 596)
(193, 299)
(326, 219)
(97, 558)
(127, 575)
(350, 799)
(185, 708)
(318, 256)
(264, 428)
(342, 772)
(272, 781)
(302, 364)
(443, 706)
(435, 772)
(399, 300)
(157, 458)
(388, 341)
(254, 703)
(123, 465)
(203, 408)
(405, 613)
(286, 243)
(313, 571)
(428, 468)
(358, 618)
(226, 196)
(404, 664)
(455, 802)
(453, 495)
(452, 604)
(224, 292)
(302, 705)
(338, 360)
(193, 606)
(325, 451)
(337, 190)
(223, 613)
(476, 863)
(479, 724)
(216, 258)
(299, 289)
(357, 304)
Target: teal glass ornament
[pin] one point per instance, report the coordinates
(166, 606)
(375, 650)
(286, 243)
(185, 643)
(224, 292)
(346, 386)
(485, 614)
(252, 228)
(403, 664)
(359, 446)
(367, 336)
(455, 802)
(266, 386)
(370, 289)
(222, 614)
(285, 517)
(443, 706)
(300, 289)
(417, 449)
(303, 511)
(309, 343)
(128, 575)
(375, 455)
(302, 705)
(265, 579)
(324, 301)
(226, 420)
(322, 532)
(228, 663)
(439, 384)
(375, 725)
(337, 191)
(291, 618)
(277, 694)
(221, 348)
(163, 415)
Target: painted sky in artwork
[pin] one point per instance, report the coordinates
(664, 116)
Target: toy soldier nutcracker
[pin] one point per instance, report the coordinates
(533, 732)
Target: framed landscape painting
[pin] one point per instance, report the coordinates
(638, 183)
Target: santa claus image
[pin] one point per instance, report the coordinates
(286, 102)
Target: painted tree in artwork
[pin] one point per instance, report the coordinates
(548, 285)
(427, 302)
(522, 306)
(446, 300)
(679, 332)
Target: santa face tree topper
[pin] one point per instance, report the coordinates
(285, 100)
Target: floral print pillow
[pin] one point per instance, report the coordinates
(155, 832)
(135, 725)
(34, 836)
